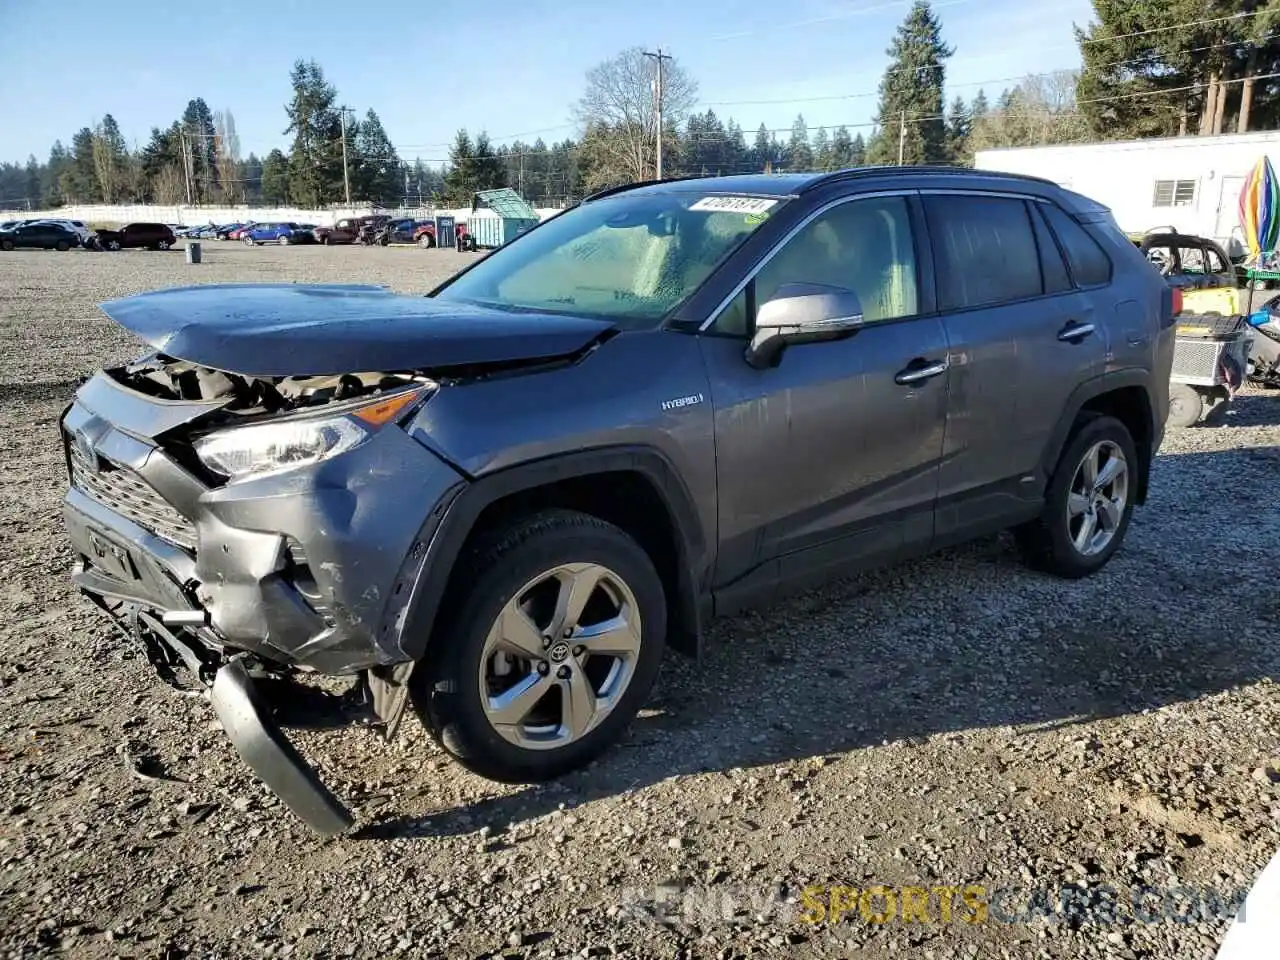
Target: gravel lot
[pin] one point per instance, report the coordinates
(950, 722)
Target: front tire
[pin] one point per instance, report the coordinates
(551, 651)
(426, 241)
(1088, 503)
(62, 246)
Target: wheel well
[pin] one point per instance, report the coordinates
(628, 500)
(1132, 407)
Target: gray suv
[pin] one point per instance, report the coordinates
(500, 502)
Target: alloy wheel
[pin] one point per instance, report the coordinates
(560, 656)
(1098, 497)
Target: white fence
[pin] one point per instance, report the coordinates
(197, 216)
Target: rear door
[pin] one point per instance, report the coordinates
(1021, 338)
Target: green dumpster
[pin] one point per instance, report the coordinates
(498, 217)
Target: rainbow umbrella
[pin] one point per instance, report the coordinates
(1260, 209)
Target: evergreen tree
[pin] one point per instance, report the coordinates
(489, 169)
(276, 178)
(735, 155)
(78, 182)
(378, 176)
(763, 154)
(823, 154)
(980, 107)
(197, 125)
(111, 161)
(460, 182)
(799, 152)
(958, 127)
(315, 159)
(842, 149)
(912, 90)
(858, 154)
(52, 193)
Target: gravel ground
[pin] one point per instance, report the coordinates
(956, 721)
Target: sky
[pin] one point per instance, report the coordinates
(430, 68)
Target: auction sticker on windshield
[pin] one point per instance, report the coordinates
(734, 204)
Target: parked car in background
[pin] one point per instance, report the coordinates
(148, 236)
(281, 233)
(230, 231)
(40, 234)
(80, 228)
(347, 230)
(409, 230)
(1188, 261)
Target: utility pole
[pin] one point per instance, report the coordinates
(186, 161)
(346, 176)
(659, 57)
(902, 137)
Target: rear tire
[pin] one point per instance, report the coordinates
(6, 244)
(426, 241)
(283, 241)
(163, 245)
(1186, 406)
(62, 246)
(1083, 523)
(545, 735)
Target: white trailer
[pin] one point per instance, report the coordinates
(1190, 183)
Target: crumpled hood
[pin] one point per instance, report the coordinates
(288, 329)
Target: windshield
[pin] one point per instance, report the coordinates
(633, 257)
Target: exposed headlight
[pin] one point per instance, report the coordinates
(280, 445)
(275, 447)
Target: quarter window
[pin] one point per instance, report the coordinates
(1056, 278)
(1089, 264)
(984, 251)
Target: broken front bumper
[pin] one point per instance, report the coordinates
(313, 568)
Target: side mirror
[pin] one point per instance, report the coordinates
(802, 313)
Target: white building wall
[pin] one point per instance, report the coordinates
(1123, 177)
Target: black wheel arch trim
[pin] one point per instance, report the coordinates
(1091, 390)
(445, 543)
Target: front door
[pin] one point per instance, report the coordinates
(831, 456)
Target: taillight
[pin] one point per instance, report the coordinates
(1177, 301)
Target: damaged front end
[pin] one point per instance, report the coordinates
(247, 529)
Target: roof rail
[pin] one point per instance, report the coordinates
(610, 191)
(857, 173)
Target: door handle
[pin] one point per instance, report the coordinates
(920, 370)
(1075, 331)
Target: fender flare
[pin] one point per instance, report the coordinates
(430, 580)
(1091, 390)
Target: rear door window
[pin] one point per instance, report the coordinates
(984, 251)
(1090, 265)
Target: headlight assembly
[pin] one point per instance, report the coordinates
(263, 449)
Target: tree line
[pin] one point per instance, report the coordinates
(1149, 68)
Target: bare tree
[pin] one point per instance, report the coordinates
(1039, 110)
(169, 186)
(618, 114)
(227, 155)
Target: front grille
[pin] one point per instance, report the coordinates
(123, 491)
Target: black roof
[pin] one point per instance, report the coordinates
(793, 184)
